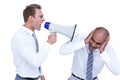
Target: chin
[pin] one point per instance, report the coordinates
(91, 48)
(38, 29)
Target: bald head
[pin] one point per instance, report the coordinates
(100, 34)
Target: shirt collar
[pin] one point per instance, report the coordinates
(95, 50)
(30, 32)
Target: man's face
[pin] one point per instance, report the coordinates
(96, 41)
(38, 19)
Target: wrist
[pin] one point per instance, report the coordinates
(85, 41)
(101, 51)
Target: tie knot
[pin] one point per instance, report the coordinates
(90, 52)
(34, 35)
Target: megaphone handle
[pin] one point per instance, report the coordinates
(73, 32)
(52, 32)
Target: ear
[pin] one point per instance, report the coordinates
(30, 18)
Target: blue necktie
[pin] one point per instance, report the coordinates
(89, 66)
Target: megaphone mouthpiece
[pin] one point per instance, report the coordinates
(46, 25)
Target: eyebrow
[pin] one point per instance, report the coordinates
(95, 41)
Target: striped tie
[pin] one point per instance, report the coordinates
(89, 66)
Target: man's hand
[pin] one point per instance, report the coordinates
(102, 47)
(42, 78)
(89, 37)
(52, 38)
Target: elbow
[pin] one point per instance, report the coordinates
(116, 73)
(62, 53)
(37, 63)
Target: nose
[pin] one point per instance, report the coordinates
(43, 19)
(94, 45)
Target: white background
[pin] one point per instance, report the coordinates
(87, 14)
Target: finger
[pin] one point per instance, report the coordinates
(106, 42)
(108, 38)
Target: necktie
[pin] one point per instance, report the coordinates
(89, 66)
(36, 42)
(37, 46)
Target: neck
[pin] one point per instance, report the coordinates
(29, 26)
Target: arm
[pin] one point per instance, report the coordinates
(87, 39)
(102, 47)
(108, 55)
(28, 53)
(42, 77)
(69, 47)
(24, 47)
(110, 60)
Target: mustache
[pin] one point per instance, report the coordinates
(92, 46)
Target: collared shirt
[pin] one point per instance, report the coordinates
(27, 61)
(80, 50)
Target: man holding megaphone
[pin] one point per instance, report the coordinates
(91, 53)
(28, 57)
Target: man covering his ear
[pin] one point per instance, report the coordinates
(91, 53)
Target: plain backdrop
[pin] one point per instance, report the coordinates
(87, 14)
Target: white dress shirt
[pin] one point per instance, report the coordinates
(80, 50)
(26, 59)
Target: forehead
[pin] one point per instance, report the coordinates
(99, 37)
(38, 12)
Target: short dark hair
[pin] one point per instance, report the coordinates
(30, 11)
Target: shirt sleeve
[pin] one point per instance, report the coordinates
(28, 53)
(69, 47)
(111, 60)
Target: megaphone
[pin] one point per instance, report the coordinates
(68, 31)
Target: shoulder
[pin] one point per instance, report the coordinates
(109, 48)
(20, 35)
